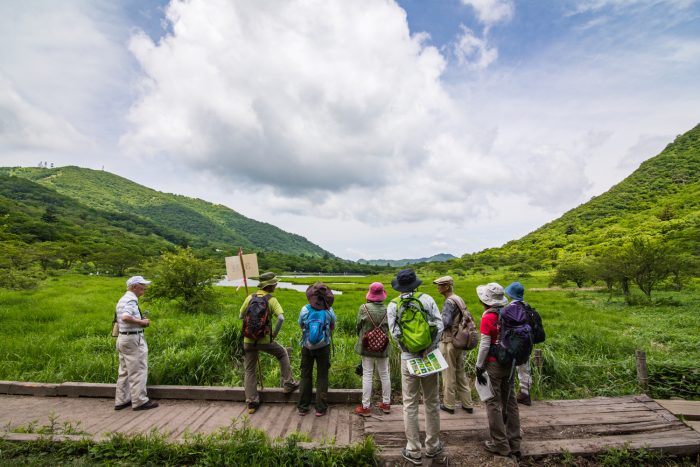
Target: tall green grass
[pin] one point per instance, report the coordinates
(60, 332)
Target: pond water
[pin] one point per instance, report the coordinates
(280, 285)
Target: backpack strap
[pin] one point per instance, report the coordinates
(369, 315)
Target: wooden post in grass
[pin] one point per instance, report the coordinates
(538, 360)
(642, 375)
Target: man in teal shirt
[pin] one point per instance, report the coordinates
(251, 347)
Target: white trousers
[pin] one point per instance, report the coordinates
(382, 364)
(133, 370)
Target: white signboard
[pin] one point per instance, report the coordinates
(234, 270)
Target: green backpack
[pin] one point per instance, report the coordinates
(416, 334)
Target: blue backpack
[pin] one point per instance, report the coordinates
(316, 331)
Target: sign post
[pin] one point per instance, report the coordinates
(242, 267)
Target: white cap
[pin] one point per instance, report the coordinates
(136, 280)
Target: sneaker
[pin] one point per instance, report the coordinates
(524, 399)
(303, 412)
(411, 457)
(291, 387)
(362, 411)
(491, 447)
(386, 408)
(468, 408)
(148, 405)
(122, 406)
(321, 413)
(253, 407)
(436, 452)
(447, 409)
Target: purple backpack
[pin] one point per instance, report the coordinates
(514, 335)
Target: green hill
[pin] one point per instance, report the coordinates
(660, 199)
(186, 220)
(404, 262)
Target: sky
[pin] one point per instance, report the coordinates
(374, 128)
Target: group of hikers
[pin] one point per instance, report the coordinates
(413, 320)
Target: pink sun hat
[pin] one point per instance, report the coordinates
(376, 292)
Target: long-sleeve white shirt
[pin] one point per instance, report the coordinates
(434, 319)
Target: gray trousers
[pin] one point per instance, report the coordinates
(250, 362)
(502, 410)
(133, 370)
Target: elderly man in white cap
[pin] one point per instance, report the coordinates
(132, 348)
(502, 409)
(454, 379)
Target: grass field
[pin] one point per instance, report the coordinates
(60, 332)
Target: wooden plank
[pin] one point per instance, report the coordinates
(201, 415)
(342, 434)
(677, 442)
(695, 425)
(689, 410)
(319, 431)
(307, 422)
(287, 414)
(225, 416)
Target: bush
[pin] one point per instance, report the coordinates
(188, 280)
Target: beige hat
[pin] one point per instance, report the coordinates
(492, 294)
(444, 280)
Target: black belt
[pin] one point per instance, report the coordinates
(131, 332)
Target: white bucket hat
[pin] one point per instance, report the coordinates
(492, 294)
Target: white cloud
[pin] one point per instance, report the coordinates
(492, 11)
(329, 104)
(472, 51)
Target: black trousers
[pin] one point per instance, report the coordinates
(322, 358)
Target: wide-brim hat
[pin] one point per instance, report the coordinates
(515, 290)
(376, 292)
(320, 296)
(266, 279)
(492, 294)
(406, 281)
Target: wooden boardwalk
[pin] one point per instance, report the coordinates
(581, 427)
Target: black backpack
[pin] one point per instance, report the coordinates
(535, 321)
(256, 321)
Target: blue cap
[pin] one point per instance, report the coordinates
(515, 291)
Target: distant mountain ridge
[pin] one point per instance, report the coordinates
(404, 262)
(186, 220)
(660, 199)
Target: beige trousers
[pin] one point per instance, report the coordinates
(411, 387)
(454, 380)
(133, 370)
(250, 362)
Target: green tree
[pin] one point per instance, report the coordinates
(182, 277)
(647, 262)
(576, 271)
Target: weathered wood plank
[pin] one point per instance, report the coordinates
(224, 417)
(677, 442)
(286, 414)
(690, 410)
(204, 411)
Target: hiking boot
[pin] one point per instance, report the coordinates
(290, 387)
(517, 455)
(362, 411)
(253, 407)
(413, 458)
(436, 452)
(386, 408)
(524, 399)
(447, 409)
(468, 408)
(148, 405)
(491, 447)
(303, 412)
(122, 406)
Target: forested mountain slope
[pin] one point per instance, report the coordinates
(193, 221)
(660, 199)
